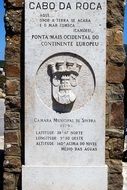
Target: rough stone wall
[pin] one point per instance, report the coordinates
(115, 93)
(14, 94)
(14, 65)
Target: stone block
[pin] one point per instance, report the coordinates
(115, 147)
(114, 166)
(12, 149)
(114, 133)
(115, 181)
(9, 181)
(12, 53)
(12, 87)
(118, 37)
(13, 20)
(115, 11)
(12, 120)
(117, 115)
(12, 70)
(12, 137)
(117, 54)
(114, 92)
(115, 74)
(12, 164)
(13, 103)
(63, 178)
(14, 3)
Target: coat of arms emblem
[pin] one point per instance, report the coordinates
(63, 79)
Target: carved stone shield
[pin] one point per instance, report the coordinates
(64, 79)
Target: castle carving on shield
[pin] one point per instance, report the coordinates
(64, 79)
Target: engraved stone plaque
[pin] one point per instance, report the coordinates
(65, 95)
(65, 82)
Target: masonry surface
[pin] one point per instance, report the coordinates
(14, 116)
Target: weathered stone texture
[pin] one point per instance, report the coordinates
(115, 148)
(12, 87)
(13, 45)
(114, 166)
(115, 181)
(12, 149)
(12, 120)
(114, 101)
(13, 103)
(15, 3)
(117, 115)
(115, 74)
(13, 21)
(12, 70)
(9, 181)
(115, 13)
(114, 133)
(12, 164)
(12, 161)
(12, 137)
(116, 54)
(115, 93)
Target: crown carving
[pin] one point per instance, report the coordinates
(65, 67)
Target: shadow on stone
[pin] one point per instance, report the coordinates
(124, 156)
(61, 108)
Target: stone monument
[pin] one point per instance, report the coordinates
(65, 95)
